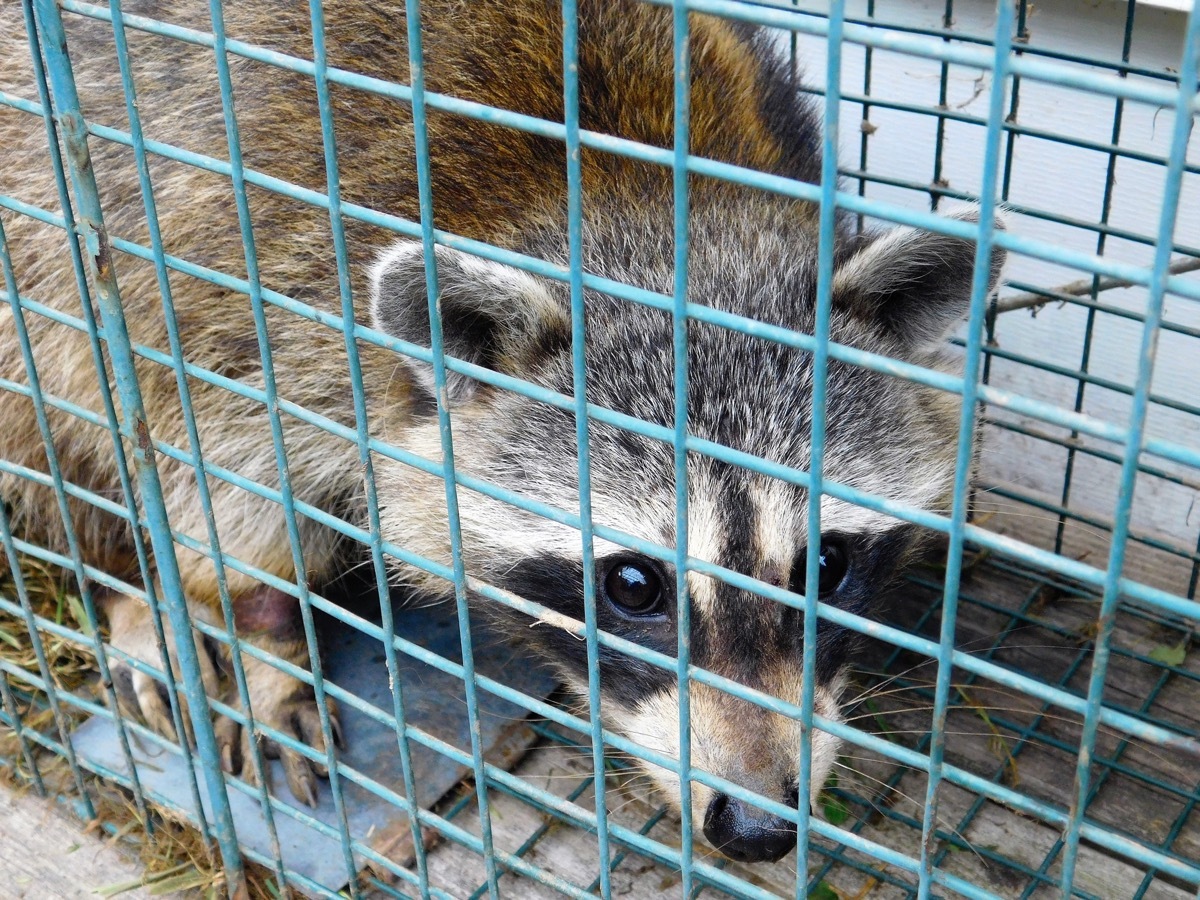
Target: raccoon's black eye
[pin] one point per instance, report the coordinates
(634, 587)
(835, 563)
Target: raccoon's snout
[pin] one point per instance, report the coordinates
(745, 833)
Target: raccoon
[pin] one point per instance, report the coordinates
(754, 254)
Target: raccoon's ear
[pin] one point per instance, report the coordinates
(916, 283)
(492, 314)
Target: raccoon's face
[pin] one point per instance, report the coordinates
(897, 294)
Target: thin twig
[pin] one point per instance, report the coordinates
(1032, 300)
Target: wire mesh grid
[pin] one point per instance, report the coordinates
(985, 706)
(1021, 618)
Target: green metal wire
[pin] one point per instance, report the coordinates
(924, 867)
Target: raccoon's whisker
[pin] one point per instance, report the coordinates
(889, 677)
(571, 756)
(955, 733)
(560, 776)
(877, 691)
(870, 759)
(641, 734)
(892, 790)
(708, 852)
(898, 691)
(871, 690)
(924, 705)
(929, 664)
(1003, 731)
(972, 705)
(1010, 513)
(886, 712)
(628, 801)
(354, 567)
(461, 701)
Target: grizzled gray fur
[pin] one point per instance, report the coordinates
(897, 292)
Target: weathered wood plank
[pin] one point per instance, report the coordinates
(46, 852)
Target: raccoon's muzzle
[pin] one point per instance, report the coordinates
(745, 833)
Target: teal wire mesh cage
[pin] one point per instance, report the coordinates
(1025, 721)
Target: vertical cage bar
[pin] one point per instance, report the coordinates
(185, 404)
(683, 617)
(965, 456)
(92, 628)
(793, 54)
(827, 236)
(865, 127)
(1010, 150)
(61, 723)
(570, 14)
(110, 413)
(416, 67)
(1194, 578)
(8, 701)
(135, 427)
(1089, 326)
(1172, 187)
(1014, 106)
(237, 173)
(1110, 180)
(939, 145)
(362, 433)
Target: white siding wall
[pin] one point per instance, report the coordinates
(1059, 179)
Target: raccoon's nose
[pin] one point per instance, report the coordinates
(745, 832)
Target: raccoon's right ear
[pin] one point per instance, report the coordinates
(492, 315)
(915, 283)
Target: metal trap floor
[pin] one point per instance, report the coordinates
(310, 839)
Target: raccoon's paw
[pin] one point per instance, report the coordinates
(140, 695)
(289, 706)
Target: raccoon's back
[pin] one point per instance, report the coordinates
(489, 182)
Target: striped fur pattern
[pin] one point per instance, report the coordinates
(752, 254)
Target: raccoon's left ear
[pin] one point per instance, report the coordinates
(492, 315)
(915, 283)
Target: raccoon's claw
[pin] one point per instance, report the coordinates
(144, 698)
(301, 721)
(140, 695)
(227, 733)
(278, 700)
(300, 780)
(289, 707)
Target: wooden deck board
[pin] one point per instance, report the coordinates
(45, 852)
